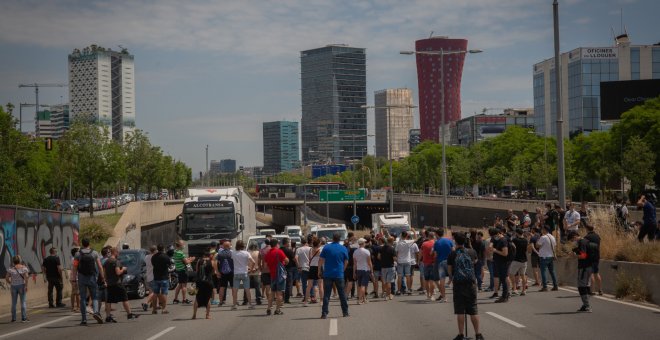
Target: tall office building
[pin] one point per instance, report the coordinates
(227, 166)
(582, 71)
(429, 76)
(393, 124)
(281, 147)
(52, 123)
(102, 88)
(334, 87)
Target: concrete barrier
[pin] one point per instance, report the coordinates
(143, 213)
(648, 273)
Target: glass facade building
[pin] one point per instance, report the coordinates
(582, 71)
(333, 91)
(281, 147)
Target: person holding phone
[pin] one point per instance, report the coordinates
(116, 293)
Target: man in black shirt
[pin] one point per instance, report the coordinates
(161, 263)
(114, 271)
(374, 251)
(501, 263)
(290, 268)
(465, 288)
(585, 251)
(518, 266)
(595, 276)
(387, 256)
(52, 270)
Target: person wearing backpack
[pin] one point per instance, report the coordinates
(87, 270)
(585, 251)
(597, 280)
(207, 268)
(226, 269)
(460, 265)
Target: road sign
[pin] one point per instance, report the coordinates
(355, 219)
(341, 195)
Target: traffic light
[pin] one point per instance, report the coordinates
(49, 144)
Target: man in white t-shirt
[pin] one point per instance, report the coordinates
(243, 263)
(302, 262)
(572, 219)
(362, 270)
(404, 249)
(546, 248)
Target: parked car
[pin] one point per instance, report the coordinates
(135, 278)
(83, 204)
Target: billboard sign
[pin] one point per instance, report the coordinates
(600, 53)
(617, 97)
(341, 195)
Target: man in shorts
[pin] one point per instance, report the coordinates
(75, 292)
(428, 262)
(387, 258)
(441, 249)
(263, 268)
(274, 258)
(362, 268)
(518, 266)
(161, 284)
(180, 263)
(465, 291)
(226, 269)
(116, 293)
(150, 278)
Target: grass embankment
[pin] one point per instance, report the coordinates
(98, 229)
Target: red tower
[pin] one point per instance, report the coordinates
(428, 79)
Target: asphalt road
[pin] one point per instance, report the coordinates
(550, 315)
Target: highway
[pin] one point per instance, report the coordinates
(550, 315)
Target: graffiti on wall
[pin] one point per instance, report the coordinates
(31, 233)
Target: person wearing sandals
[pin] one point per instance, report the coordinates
(17, 278)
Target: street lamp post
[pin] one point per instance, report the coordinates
(389, 141)
(442, 53)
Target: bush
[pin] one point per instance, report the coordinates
(631, 287)
(98, 229)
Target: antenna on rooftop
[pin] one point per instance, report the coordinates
(431, 35)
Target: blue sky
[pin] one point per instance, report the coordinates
(210, 72)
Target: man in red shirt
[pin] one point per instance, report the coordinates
(430, 275)
(277, 283)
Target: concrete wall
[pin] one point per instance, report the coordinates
(649, 273)
(161, 233)
(143, 213)
(31, 233)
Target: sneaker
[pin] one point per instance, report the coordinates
(268, 311)
(397, 293)
(409, 292)
(346, 315)
(439, 298)
(479, 337)
(600, 293)
(324, 316)
(391, 296)
(110, 319)
(495, 295)
(132, 316)
(502, 300)
(459, 337)
(165, 311)
(51, 306)
(251, 306)
(176, 302)
(523, 293)
(186, 301)
(234, 307)
(60, 305)
(25, 320)
(555, 288)
(299, 295)
(514, 293)
(97, 317)
(584, 309)
(544, 289)
(82, 323)
(536, 284)
(278, 312)
(145, 307)
(13, 320)
(154, 312)
(244, 303)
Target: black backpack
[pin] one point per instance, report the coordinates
(512, 250)
(86, 262)
(463, 267)
(202, 275)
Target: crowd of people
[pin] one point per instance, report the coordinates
(319, 269)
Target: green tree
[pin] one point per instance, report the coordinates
(638, 160)
(138, 149)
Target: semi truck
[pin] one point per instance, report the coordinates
(393, 223)
(213, 214)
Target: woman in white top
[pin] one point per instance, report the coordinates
(17, 277)
(243, 263)
(314, 256)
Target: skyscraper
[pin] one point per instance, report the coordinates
(429, 78)
(583, 69)
(102, 88)
(281, 147)
(393, 124)
(334, 87)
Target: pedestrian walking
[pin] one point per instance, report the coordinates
(52, 272)
(585, 251)
(333, 261)
(88, 271)
(460, 264)
(116, 292)
(181, 261)
(75, 292)
(596, 279)
(442, 247)
(150, 279)
(206, 269)
(161, 262)
(650, 224)
(17, 278)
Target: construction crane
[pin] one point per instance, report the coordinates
(36, 95)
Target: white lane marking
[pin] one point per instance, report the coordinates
(333, 327)
(4, 336)
(509, 321)
(161, 333)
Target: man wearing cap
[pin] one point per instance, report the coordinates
(546, 248)
(363, 269)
